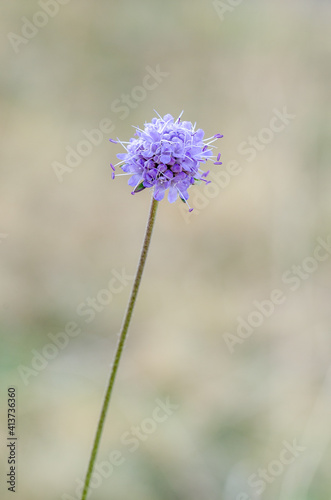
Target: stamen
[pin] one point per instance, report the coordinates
(158, 114)
(122, 161)
(214, 137)
(122, 144)
(178, 119)
(134, 191)
(189, 158)
(182, 197)
(138, 128)
(211, 141)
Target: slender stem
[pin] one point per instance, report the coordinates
(120, 344)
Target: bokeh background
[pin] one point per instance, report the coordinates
(62, 241)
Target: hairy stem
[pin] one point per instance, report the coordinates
(120, 345)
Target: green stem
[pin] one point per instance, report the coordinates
(120, 345)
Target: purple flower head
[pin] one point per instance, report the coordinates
(166, 155)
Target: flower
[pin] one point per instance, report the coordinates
(166, 155)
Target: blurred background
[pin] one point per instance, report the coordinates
(257, 72)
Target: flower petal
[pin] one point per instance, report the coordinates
(173, 194)
(159, 193)
(134, 180)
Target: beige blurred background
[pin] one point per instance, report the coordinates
(239, 408)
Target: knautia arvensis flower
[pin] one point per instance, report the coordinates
(166, 155)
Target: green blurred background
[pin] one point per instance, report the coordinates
(61, 242)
